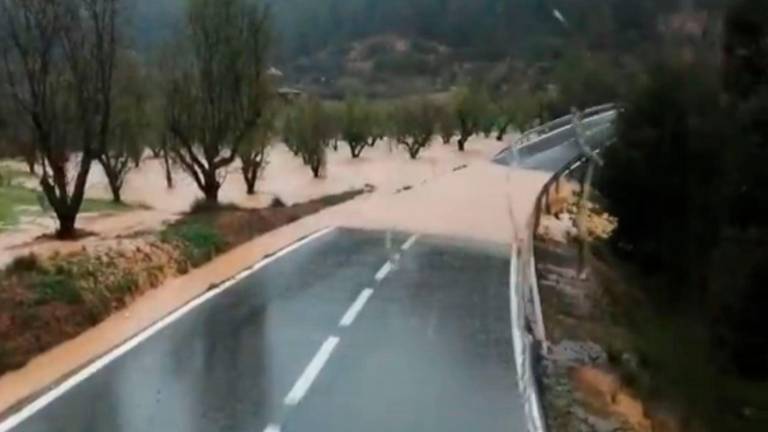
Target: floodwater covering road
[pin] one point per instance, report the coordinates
(348, 330)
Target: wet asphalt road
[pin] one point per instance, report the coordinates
(429, 351)
(550, 152)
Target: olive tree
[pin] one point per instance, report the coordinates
(471, 106)
(414, 125)
(309, 130)
(359, 126)
(518, 109)
(254, 152)
(216, 94)
(447, 123)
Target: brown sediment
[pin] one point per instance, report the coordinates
(603, 392)
(384, 167)
(483, 201)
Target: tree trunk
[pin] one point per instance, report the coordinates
(31, 165)
(463, 142)
(356, 150)
(117, 196)
(250, 173)
(113, 179)
(211, 195)
(67, 220)
(167, 166)
(502, 131)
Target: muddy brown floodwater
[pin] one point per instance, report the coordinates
(482, 201)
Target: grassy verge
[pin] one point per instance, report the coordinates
(18, 201)
(45, 301)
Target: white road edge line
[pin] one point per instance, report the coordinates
(17, 418)
(356, 307)
(383, 272)
(272, 427)
(407, 245)
(302, 385)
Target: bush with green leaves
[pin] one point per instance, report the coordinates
(473, 108)
(308, 130)
(447, 123)
(414, 123)
(199, 242)
(360, 126)
(519, 108)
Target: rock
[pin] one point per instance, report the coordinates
(579, 353)
(596, 424)
(630, 363)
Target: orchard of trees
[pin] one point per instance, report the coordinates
(75, 93)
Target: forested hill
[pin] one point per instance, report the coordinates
(479, 28)
(397, 47)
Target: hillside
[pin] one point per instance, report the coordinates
(400, 46)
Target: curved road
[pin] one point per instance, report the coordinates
(346, 331)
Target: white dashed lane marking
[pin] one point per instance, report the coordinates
(306, 379)
(383, 272)
(355, 308)
(407, 245)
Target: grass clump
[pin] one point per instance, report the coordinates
(18, 201)
(199, 242)
(56, 288)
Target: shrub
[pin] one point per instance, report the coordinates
(24, 264)
(414, 125)
(199, 242)
(56, 288)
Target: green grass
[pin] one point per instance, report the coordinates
(200, 242)
(102, 206)
(17, 201)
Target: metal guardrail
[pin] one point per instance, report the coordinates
(559, 124)
(528, 330)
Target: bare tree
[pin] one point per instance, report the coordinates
(123, 148)
(15, 137)
(58, 59)
(216, 94)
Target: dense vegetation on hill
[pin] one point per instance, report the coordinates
(436, 42)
